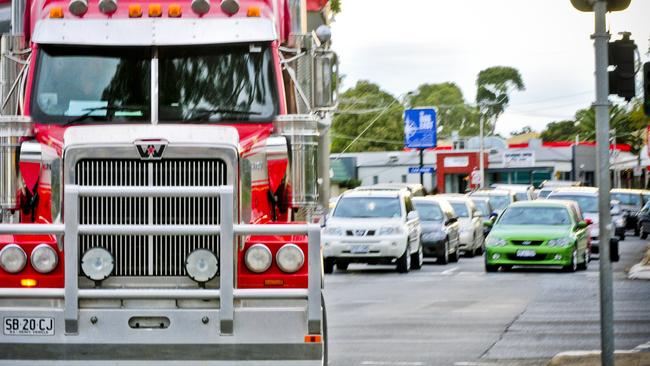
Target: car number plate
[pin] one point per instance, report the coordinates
(359, 249)
(28, 326)
(526, 253)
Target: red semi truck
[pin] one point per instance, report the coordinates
(162, 164)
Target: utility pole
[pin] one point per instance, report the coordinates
(481, 155)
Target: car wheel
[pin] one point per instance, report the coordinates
(417, 259)
(491, 268)
(328, 265)
(636, 231)
(444, 258)
(342, 266)
(573, 266)
(622, 236)
(644, 236)
(454, 257)
(404, 262)
(585, 264)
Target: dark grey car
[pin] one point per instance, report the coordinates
(440, 229)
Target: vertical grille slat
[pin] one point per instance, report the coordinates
(132, 253)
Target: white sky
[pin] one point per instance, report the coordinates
(400, 44)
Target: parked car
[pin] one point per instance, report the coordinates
(416, 189)
(587, 200)
(523, 192)
(377, 227)
(440, 229)
(644, 221)
(631, 202)
(548, 232)
(471, 223)
(484, 207)
(500, 199)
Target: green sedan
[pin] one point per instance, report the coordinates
(546, 232)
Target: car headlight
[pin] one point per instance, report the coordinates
(202, 265)
(258, 258)
(97, 264)
(495, 242)
(561, 242)
(336, 231)
(44, 258)
(433, 235)
(390, 230)
(12, 258)
(290, 258)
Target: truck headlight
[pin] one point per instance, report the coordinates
(390, 230)
(561, 242)
(258, 258)
(290, 258)
(491, 241)
(334, 231)
(12, 258)
(97, 264)
(202, 265)
(44, 258)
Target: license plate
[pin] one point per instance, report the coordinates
(28, 326)
(526, 253)
(359, 249)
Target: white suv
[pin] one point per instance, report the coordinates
(376, 227)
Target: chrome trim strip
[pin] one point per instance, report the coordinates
(51, 229)
(137, 293)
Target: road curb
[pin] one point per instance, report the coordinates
(592, 358)
(641, 270)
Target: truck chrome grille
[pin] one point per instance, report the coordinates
(142, 255)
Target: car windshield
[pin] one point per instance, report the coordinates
(368, 207)
(630, 199)
(429, 211)
(535, 216)
(482, 208)
(521, 196)
(460, 209)
(586, 203)
(196, 84)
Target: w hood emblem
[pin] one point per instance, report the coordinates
(151, 149)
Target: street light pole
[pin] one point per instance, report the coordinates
(601, 106)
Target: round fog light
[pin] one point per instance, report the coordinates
(201, 265)
(496, 256)
(258, 258)
(12, 258)
(290, 258)
(44, 258)
(97, 264)
(558, 257)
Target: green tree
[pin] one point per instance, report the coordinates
(560, 131)
(453, 113)
(494, 86)
(629, 128)
(386, 132)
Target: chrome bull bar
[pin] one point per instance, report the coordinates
(228, 231)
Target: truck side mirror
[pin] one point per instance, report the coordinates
(325, 80)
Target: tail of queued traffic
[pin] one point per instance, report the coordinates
(148, 237)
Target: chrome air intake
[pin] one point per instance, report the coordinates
(12, 130)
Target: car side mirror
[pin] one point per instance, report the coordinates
(488, 224)
(494, 215)
(413, 215)
(582, 225)
(451, 221)
(589, 221)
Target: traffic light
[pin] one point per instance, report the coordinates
(621, 56)
(646, 88)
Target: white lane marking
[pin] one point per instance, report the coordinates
(381, 363)
(449, 272)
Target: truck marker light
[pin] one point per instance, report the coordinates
(135, 11)
(28, 282)
(254, 12)
(174, 11)
(201, 6)
(108, 6)
(155, 10)
(273, 282)
(56, 12)
(313, 338)
(78, 7)
(230, 7)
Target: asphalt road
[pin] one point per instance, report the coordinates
(458, 315)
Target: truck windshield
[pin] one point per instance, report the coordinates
(195, 84)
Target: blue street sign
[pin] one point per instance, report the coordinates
(423, 170)
(420, 128)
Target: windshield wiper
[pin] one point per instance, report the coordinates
(200, 114)
(90, 111)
